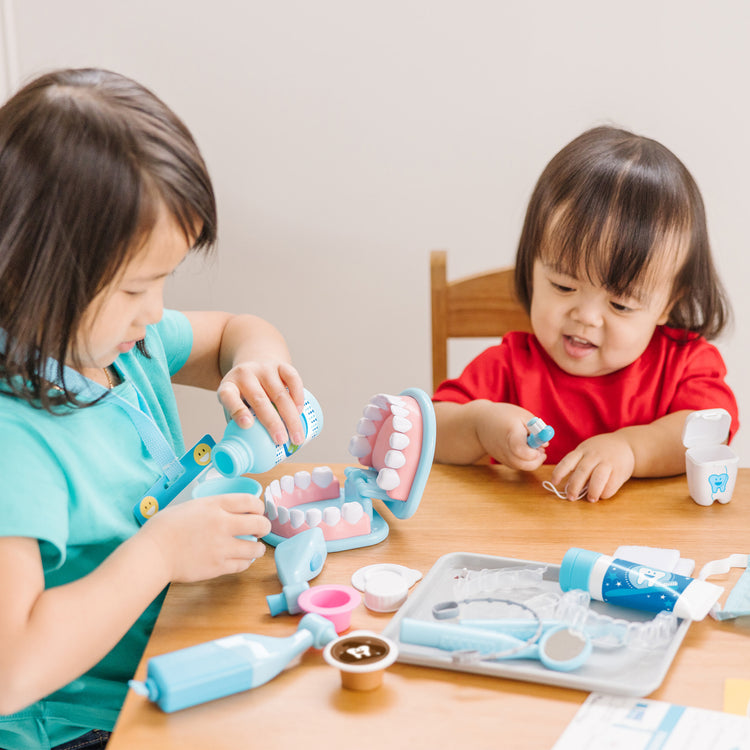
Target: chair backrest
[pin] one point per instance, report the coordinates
(483, 305)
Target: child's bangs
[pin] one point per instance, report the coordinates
(624, 245)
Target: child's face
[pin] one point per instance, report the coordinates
(117, 317)
(585, 329)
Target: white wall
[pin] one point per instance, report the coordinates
(346, 139)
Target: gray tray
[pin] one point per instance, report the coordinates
(621, 671)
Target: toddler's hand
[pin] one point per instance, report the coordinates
(603, 462)
(198, 540)
(501, 429)
(273, 390)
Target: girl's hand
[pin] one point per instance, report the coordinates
(197, 539)
(501, 430)
(274, 392)
(603, 462)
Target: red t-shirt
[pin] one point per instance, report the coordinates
(668, 377)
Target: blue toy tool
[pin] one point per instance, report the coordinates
(539, 433)
(298, 560)
(228, 665)
(560, 648)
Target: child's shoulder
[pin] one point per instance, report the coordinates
(687, 346)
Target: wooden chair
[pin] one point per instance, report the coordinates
(483, 305)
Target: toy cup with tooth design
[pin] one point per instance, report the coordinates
(362, 657)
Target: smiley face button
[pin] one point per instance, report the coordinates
(149, 506)
(202, 454)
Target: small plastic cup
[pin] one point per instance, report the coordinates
(332, 601)
(224, 485)
(361, 657)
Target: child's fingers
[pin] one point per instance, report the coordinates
(280, 417)
(293, 382)
(241, 502)
(231, 399)
(567, 464)
(598, 482)
(245, 549)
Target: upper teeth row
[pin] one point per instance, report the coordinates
(360, 445)
(322, 476)
(375, 411)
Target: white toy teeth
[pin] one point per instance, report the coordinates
(395, 442)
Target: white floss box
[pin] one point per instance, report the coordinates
(711, 466)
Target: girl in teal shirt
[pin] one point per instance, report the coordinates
(103, 192)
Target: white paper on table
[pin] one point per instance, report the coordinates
(610, 722)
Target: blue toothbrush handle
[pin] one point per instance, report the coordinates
(449, 637)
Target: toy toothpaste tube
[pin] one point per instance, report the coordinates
(637, 586)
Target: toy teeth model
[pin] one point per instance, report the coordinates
(395, 442)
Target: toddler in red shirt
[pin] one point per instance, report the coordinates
(614, 268)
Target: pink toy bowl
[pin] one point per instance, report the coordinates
(332, 601)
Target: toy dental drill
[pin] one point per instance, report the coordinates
(227, 665)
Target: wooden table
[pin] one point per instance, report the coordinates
(483, 509)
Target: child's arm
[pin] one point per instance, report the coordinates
(244, 356)
(48, 637)
(606, 462)
(468, 432)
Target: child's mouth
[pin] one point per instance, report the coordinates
(577, 347)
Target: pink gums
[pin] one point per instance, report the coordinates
(380, 443)
(315, 497)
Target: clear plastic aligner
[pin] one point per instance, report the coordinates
(470, 583)
(609, 632)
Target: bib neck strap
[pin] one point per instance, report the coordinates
(151, 436)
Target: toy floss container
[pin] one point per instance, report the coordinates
(636, 586)
(253, 451)
(362, 657)
(711, 466)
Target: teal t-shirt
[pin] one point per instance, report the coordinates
(71, 482)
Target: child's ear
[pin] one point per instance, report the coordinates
(664, 317)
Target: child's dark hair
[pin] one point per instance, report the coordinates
(87, 158)
(601, 207)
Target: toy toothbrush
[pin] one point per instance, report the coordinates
(298, 560)
(560, 648)
(395, 444)
(225, 666)
(539, 433)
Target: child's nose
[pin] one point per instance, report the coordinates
(153, 308)
(588, 312)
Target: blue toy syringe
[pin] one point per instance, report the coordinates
(228, 665)
(539, 433)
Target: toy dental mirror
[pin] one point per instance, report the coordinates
(560, 648)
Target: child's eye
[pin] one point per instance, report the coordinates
(620, 307)
(561, 287)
